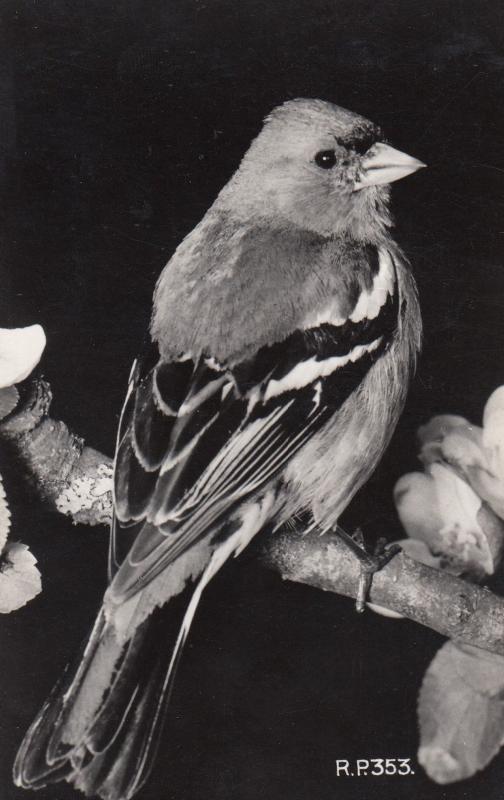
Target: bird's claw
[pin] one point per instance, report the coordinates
(369, 563)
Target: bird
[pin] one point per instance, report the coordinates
(284, 333)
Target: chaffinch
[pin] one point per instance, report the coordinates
(284, 333)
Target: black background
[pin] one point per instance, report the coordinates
(119, 123)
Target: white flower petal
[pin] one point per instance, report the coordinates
(452, 439)
(416, 501)
(478, 463)
(462, 535)
(460, 712)
(384, 612)
(493, 528)
(458, 503)
(441, 512)
(440, 426)
(464, 448)
(9, 397)
(493, 433)
(20, 352)
(20, 579)
(493, 416)
(5, 517)
(419, 551)
(489, 487)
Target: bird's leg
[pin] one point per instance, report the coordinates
(369, 562)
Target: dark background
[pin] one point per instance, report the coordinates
(119, 123)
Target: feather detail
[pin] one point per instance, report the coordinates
(235, 429)
(338, 460)
(279, 280)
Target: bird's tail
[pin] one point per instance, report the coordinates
(100, 727)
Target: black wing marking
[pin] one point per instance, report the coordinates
(202, 437)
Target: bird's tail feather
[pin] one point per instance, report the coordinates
(99, 729)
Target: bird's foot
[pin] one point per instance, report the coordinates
(370, 562)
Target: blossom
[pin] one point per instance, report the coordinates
(453, 513)
(455, 508)
(20, 579)
(477, 454)
(20, 351)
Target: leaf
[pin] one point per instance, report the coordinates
(20, 351)
(20, 579)
(9, 397)
(5, 517)
(461, 713)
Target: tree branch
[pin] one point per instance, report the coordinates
(455, 608)
(77, 481)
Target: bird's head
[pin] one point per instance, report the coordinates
(320, 167)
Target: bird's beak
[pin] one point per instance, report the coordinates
(384, 164)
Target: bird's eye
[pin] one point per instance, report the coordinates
(326, 159)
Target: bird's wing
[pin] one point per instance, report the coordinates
(198, 438)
